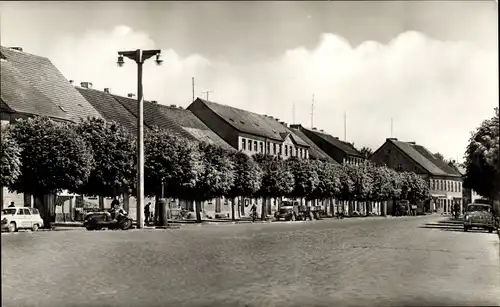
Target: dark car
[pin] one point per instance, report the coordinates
(479, 216)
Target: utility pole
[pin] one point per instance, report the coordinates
(312, 113)
(345, 126)
(193, 88)
(207, 92)
(139, 56)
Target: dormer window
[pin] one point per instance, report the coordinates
(256, 124)
(242, 122)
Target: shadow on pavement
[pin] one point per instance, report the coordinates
(450, 225)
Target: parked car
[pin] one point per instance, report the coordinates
(479, 216)
(15, 218)
(287, 210)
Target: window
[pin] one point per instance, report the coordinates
(433, 184)
(280, 151)
(307, 154)
(400, 167)
(459, 187)
(300, 152)
(268, 148)
(250, 145)
(26, 212)
(243, 144)
(254, 145)
(286, 150)
(274, 148)
(20, 212)
(261, 146)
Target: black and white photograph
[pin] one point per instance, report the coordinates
(249, 153)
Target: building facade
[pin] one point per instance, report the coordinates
(445, 184)
(249, 132)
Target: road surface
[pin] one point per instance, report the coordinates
(352, 262)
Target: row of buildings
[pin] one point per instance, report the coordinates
(32, 85)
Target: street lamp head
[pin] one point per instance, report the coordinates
(158, 59)
(120, 61)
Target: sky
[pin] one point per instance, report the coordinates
(430, 67)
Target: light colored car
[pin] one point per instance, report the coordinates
(479, 216)
(15, 218)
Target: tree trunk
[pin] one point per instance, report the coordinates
(263, 209)
(157, 207)
(101, 202)
(332, 207)
(198, 211)
(126, 201)
(46, 205)
(233, 201)
(27, 200)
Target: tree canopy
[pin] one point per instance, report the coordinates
(247, 175)
(481, 159)
(171, 160)
(329, 184)
(277, 179)
(10, 162)
(53, 156)
(305, 177)
(113, 149)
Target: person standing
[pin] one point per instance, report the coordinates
(147, 213)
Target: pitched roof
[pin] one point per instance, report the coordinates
(252, 123)
(411, 152)
(344, 146)
(314, 150)
(436, 161)
(462, 170)
(109, 107)
(180, 121)
(17, 95)
(48, 80)
(193, 125)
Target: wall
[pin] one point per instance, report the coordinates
(271, 149)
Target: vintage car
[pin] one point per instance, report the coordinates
(102, 219)
(15, 218)
(479, 216)
(288, 211)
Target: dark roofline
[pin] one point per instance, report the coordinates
(319, 133)
(228, 122)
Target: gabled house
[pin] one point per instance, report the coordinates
(445, 183)
(40, 76)
(342, 152)
(32, 86)
(249, 132)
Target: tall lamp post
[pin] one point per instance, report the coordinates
(139, 56)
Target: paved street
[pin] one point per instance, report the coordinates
(351, 262)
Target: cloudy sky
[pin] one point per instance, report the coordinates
(431, 66)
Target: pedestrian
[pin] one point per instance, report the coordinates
(253, 212)
(12, 204)
(147, 213)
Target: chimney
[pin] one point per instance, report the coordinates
(391, 139)
(413, 143)
(314, 128)
(284, 124)
(173, 106)
(86, 84)
(271, 117)
(106, 90)
(336, 137)
(16, 48)
(154, 101)
(277, 119)
(181, 108)
(71, 82)
(322, 130)
(130, 95)
(295, 126)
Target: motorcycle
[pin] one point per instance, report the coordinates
(100, 220)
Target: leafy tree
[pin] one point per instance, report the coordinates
(247, 177)
(362, 180)
(54, 158)
(383, 186)
(277, 179)
(113, 149)
(172, 165)
(414, 187)
(217, 176)
(329, 185)
(366, 152)
(10, 162)
(481, 159)
(305, 177)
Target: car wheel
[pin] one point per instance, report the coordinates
(126, 225)
(12, 227)
(490, 230)
(35, 227)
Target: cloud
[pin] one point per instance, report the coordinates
(435, 91)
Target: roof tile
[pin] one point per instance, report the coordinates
(436, 161)
(344, 146)
(408, 149)
(47, 79)
(314, 150)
